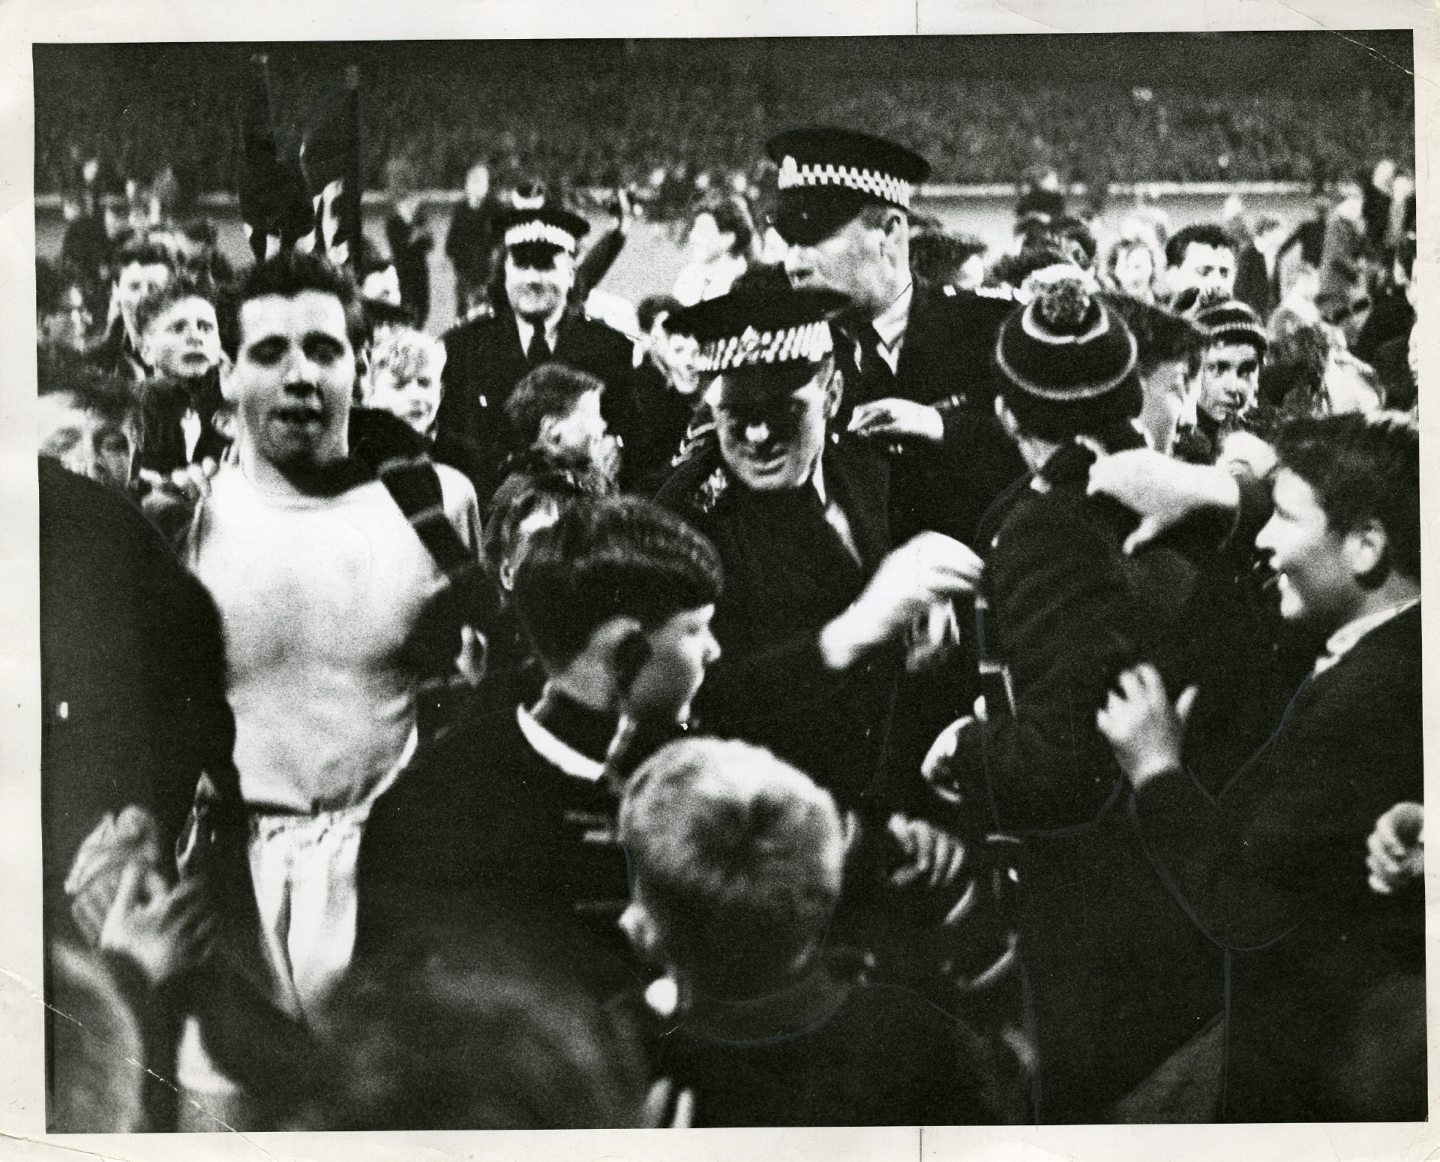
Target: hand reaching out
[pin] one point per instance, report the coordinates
(897, 419)
(1143, 729)
(928, 570)
(162, 929)
(930, 854)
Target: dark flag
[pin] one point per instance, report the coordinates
(274, 204)
(332, 166)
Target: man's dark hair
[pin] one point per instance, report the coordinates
(145, 252)
(550, 390)
(1200, 234)
(732, 216)
(1361, 468)
(514, 501)
(90, 389)
(1161, 336)
(652, 307)
(288, 274)
(1013, 269)
(618, 557)
(184, 285)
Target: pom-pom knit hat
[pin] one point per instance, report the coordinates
(1065, 346)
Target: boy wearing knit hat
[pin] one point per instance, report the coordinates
(1230, 370)
(1061, 608)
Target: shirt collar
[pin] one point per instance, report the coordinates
(556, 752)
(890, 324)
(1344, 639)
(527, 329)
(818, 480)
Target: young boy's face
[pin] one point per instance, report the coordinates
(1230, 379)
(681, 649)
(183, 341)
(415, 399)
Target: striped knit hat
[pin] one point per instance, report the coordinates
(1065, 347)
(1231, 321)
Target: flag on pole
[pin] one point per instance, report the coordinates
(332, 165)
(274, 204)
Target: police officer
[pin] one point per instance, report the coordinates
(489, 354)
(915, 355)
(816, 605)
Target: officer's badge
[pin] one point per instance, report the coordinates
(789, 173)
(746, 346)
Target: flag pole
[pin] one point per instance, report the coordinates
(355, 186)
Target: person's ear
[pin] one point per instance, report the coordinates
(229, 391)
(894, 233)
(631, 653)
(621, 649)
(147, 350)
(1366, 549)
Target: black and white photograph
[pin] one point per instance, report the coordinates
(731, 581)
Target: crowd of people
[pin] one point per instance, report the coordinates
(882, 684)
(590, 124)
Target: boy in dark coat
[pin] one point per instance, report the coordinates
(1120, 977)
(737, 865)
(1273, 867)
(511, 816)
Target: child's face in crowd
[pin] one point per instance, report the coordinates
(416, 399)
(680, 652)
(1229, 379)
(1135, 270)
(85, 442)
(1313, 575)
(184, 340)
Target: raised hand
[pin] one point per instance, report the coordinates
(1144, 730)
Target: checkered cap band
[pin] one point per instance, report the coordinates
(807, 343)
(867, 181)
(537, 231)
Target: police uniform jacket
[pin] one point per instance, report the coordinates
(945, 361)
(787, 574)
(484, 361)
